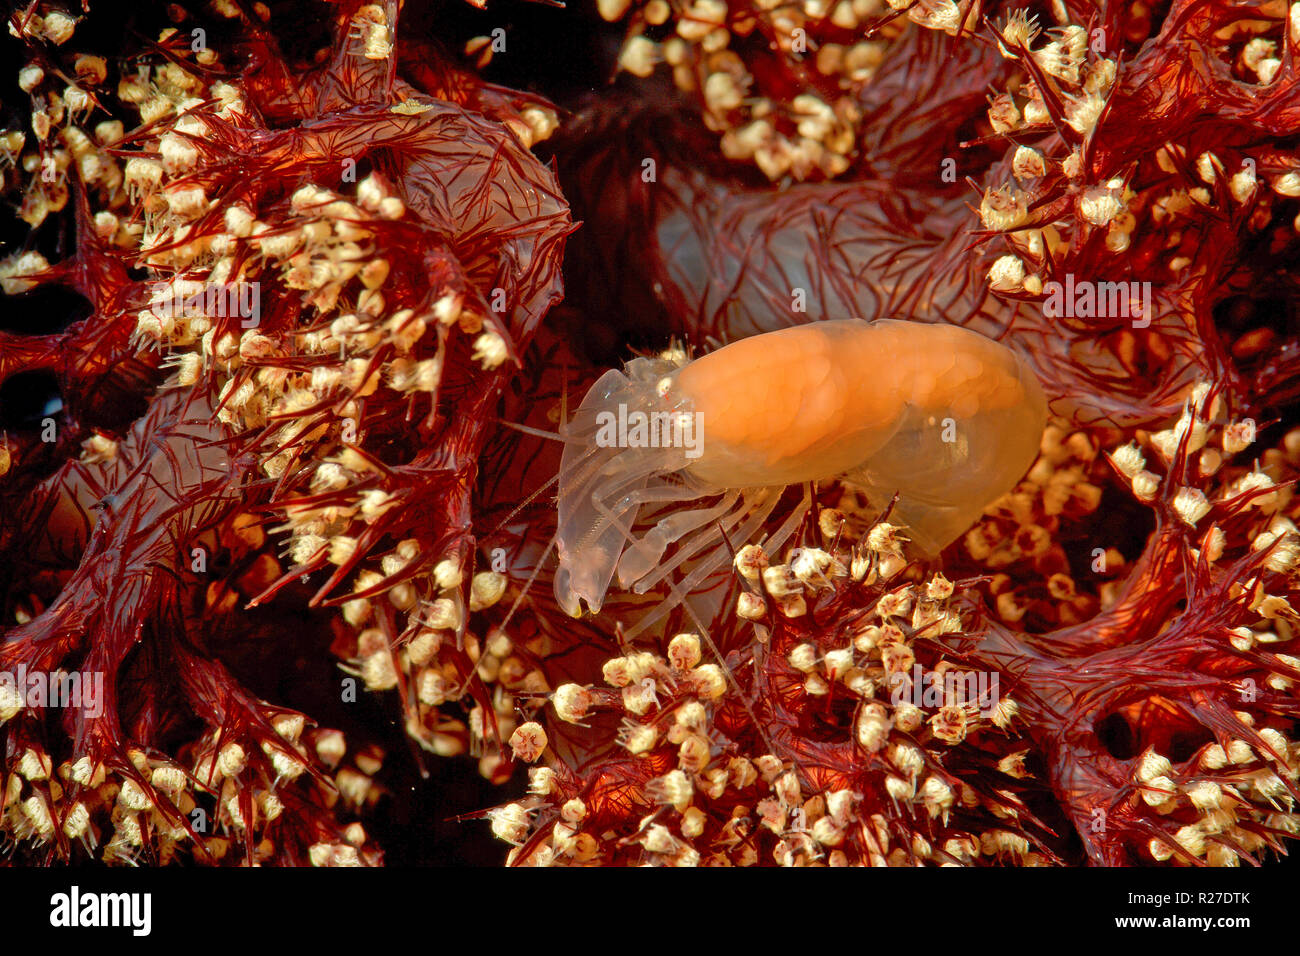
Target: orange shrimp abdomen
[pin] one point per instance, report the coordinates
(942, 415)
(818, 400)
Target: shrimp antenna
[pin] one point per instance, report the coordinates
(539, 432)
(550, 545)
(731, 677)
(545, 485)
(521, 506)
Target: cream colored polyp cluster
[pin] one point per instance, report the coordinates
(940, 415)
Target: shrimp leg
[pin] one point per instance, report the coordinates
(758, 516)
(644, 553)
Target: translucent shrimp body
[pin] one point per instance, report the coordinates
(944, 417)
